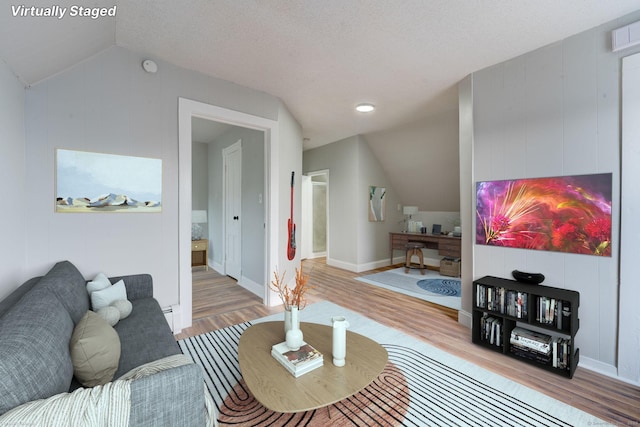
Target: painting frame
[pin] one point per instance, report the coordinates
(569, 214)
(377, 203)
(92, 182)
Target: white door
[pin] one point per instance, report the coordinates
(232, 157)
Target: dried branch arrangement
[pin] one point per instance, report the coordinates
(291, 297)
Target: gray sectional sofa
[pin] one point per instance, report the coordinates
(36, 324)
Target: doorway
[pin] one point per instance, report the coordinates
(228, 165)
(188, 109)
(317, 232)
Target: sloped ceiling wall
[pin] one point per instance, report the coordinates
(421, 161)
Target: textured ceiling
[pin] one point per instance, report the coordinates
(321, 57)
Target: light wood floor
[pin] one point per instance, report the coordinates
(219, 302)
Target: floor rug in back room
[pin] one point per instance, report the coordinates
(431, 286)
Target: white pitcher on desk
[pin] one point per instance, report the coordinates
(340, 326)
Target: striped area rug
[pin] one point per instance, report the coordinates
(421, 386)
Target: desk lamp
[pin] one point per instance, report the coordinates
(197, 217)
(408, 211)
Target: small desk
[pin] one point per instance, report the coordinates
(200, 253)
(280, 391)
(446, 245)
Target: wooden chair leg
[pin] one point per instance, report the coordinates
(410, 253)
(407, 262)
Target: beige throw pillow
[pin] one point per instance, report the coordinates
(95, 350)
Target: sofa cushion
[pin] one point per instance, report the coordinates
(138, 285)
(95, 350)
(145, 336)
(14, 297)
(34, 349)
(67, 284)
(103, 298)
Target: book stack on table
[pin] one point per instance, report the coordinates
(297, 362)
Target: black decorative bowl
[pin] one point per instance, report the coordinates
(534, 278)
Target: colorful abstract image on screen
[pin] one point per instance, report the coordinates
(562, 214)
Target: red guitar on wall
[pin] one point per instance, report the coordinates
(291, 237)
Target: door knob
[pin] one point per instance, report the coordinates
(236, 217)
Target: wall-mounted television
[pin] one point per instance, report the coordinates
(562, 214)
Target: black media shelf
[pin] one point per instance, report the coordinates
(535, 324)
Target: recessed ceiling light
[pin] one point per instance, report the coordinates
(365, 108)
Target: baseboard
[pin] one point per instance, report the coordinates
(431, 263)
(604, 369)
(357, 268)
(597, 366)
(172, 316)
(317, 255)
(372, 265)
(217, 267)
(341, 264)
(398, 260)
(251, 286)
(244, 282)
(465, 318)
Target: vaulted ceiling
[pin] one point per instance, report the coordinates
(321, 57)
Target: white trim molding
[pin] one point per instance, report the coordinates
(186, 110)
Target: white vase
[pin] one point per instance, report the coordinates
(339, 349)
(294, 335)
(287, 321)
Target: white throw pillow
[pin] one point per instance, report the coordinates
(98, 283)
(105, 297)
(110, 314)
(124, 308)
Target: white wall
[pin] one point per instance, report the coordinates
(373, 237)
(421, 161)
(109, 104)
(289, 158)
(556, 111)
(16, 200)
(629, 324)
(340, 158)
(354, 243)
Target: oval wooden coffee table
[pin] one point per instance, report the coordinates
(278, 390)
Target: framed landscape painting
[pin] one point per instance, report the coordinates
(562, 214)
(96, 182)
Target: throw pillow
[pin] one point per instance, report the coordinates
(124, 307)
(98, 283)
(105, 297)
(95, 350)
(110, 314)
